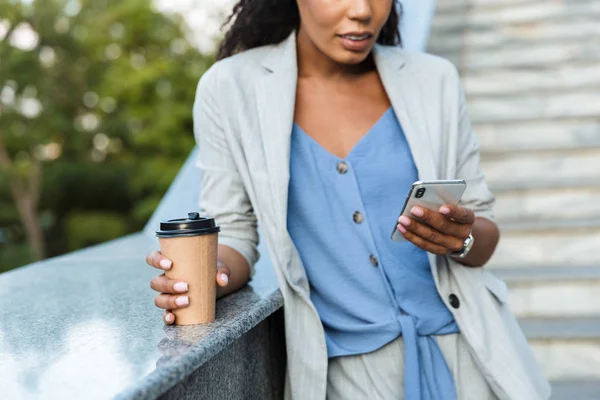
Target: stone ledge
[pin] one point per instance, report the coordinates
(187, 348)
(92, 326)
(252, 367)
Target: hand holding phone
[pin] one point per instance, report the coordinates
(430, 195)
(435, 222)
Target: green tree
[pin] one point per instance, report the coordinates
(95, 101)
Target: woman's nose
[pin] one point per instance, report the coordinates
(360, 10)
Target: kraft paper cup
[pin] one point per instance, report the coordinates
(191, 244)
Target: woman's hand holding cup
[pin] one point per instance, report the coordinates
(172, 293)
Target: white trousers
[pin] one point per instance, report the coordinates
(380, 375)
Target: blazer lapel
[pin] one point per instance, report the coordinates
(276, 97)
(404, 92)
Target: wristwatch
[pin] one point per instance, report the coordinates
(467, 245)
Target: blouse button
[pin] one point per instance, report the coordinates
(374, 261)
(358, 217)
(342, 167)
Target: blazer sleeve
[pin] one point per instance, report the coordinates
(477, 196)
(223, 195)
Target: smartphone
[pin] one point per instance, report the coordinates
(431, 195)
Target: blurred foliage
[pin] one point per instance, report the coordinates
(105, 225)
(101, 97)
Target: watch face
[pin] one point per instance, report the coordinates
(466, 248)
(468, 244)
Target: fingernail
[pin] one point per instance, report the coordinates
(180, 287)
(401, 229)
(165, 263)
(444, 210)
(225, 278)
(169, 318)
(404, 220)
(182, 301)
(416, 211)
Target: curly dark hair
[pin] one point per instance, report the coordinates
(262, 22)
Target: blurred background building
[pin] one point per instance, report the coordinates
(531, 72)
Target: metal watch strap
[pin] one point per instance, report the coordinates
(467, 245)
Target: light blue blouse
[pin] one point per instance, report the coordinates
(367, 289)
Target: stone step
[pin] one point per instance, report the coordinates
(548, 208)
(548, 248)
(559, 316)
(568, 349)
(572, 328)
(526, 13)
(575, 390)
(529, 69)
(542, 82)
(553, 292)
(522, 170)
(522, 56)
(536, 106)
(536, 136)
(526, 275)
(453, 6)
(550, 183)
(498, 36)
(531, 224)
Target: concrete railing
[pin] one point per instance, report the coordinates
(83, 325)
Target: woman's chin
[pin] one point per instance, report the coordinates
(351, 57)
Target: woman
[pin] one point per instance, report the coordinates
(315, 123)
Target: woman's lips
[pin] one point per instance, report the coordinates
(356, 42)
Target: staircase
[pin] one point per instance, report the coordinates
(531, 72)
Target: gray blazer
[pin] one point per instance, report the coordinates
(243, 116)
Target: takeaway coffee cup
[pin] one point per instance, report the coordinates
(191, 244)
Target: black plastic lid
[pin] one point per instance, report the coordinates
(193, 225)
